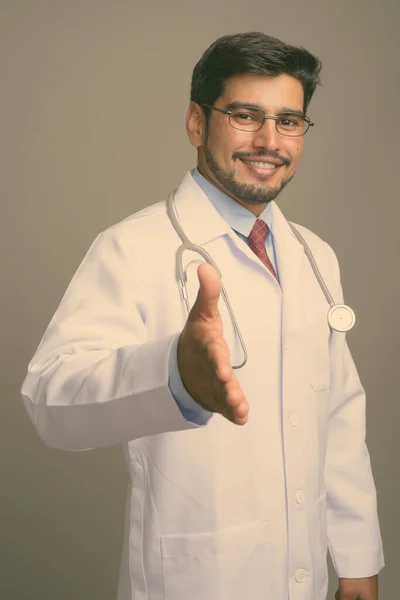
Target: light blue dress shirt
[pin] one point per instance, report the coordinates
(241, 220)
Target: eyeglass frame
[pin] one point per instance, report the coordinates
(272, 117)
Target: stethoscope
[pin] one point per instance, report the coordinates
(340, 316)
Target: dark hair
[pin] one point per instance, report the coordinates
(251, 53)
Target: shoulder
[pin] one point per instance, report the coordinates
(140, 234)
(313, 240)
(148, 217)
(149, 225)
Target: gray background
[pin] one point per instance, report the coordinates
(93, 97)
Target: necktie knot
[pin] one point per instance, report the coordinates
(258, 233)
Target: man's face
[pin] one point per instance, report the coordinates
(223, 149)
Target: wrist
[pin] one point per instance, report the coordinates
(365, 588)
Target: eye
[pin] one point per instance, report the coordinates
(245, 116)
(290, 122)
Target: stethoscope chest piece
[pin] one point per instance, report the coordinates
(341, 317)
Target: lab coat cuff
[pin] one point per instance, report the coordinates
(186, 403)
(359, 563)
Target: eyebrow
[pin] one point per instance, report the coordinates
(284, 110)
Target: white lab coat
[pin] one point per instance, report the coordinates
(215, 512)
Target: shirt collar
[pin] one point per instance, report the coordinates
(237, 216)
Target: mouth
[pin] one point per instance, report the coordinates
(263, 167)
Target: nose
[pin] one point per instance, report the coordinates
(267, 136)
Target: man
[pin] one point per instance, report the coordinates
(240, 477)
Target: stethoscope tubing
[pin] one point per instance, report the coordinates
(181, 275)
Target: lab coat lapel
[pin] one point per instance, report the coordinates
(199, 219)
(291, 266)
(290, 257)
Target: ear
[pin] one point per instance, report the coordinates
(195, 124)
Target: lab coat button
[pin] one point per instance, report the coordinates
(301, 575)
(300, 496)
(294, 418)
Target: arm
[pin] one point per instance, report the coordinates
(96, 379)
(352, 521)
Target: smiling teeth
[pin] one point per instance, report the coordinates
(262, 165)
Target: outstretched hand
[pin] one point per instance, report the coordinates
(204, 357)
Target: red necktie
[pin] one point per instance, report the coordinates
(257, 243)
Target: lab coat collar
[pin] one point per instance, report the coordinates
(202, 223)
(199, 218)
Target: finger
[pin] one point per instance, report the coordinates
(241, 421)
(236, 401)
(242, 410)
(239, 415)
(223, 369)
(206, 304)
(233, 392)
(219, 356)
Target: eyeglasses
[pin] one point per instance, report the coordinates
(251, 119)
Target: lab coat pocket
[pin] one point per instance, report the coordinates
(320, 562)
(229, 564)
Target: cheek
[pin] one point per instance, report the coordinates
(224, 144)
(296, 152)
(224, 147)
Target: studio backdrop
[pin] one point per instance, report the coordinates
(93, 101)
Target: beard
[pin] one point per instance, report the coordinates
(247, 192)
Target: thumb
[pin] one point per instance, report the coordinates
(206, 304)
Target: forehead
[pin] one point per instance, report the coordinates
(267, 91)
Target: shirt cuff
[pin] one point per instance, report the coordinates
(189, 408)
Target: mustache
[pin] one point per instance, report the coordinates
(271, 154)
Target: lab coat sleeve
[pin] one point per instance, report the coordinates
(187, 405)
(354, 538)
(95, 379)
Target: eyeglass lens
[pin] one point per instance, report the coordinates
(252, 120)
